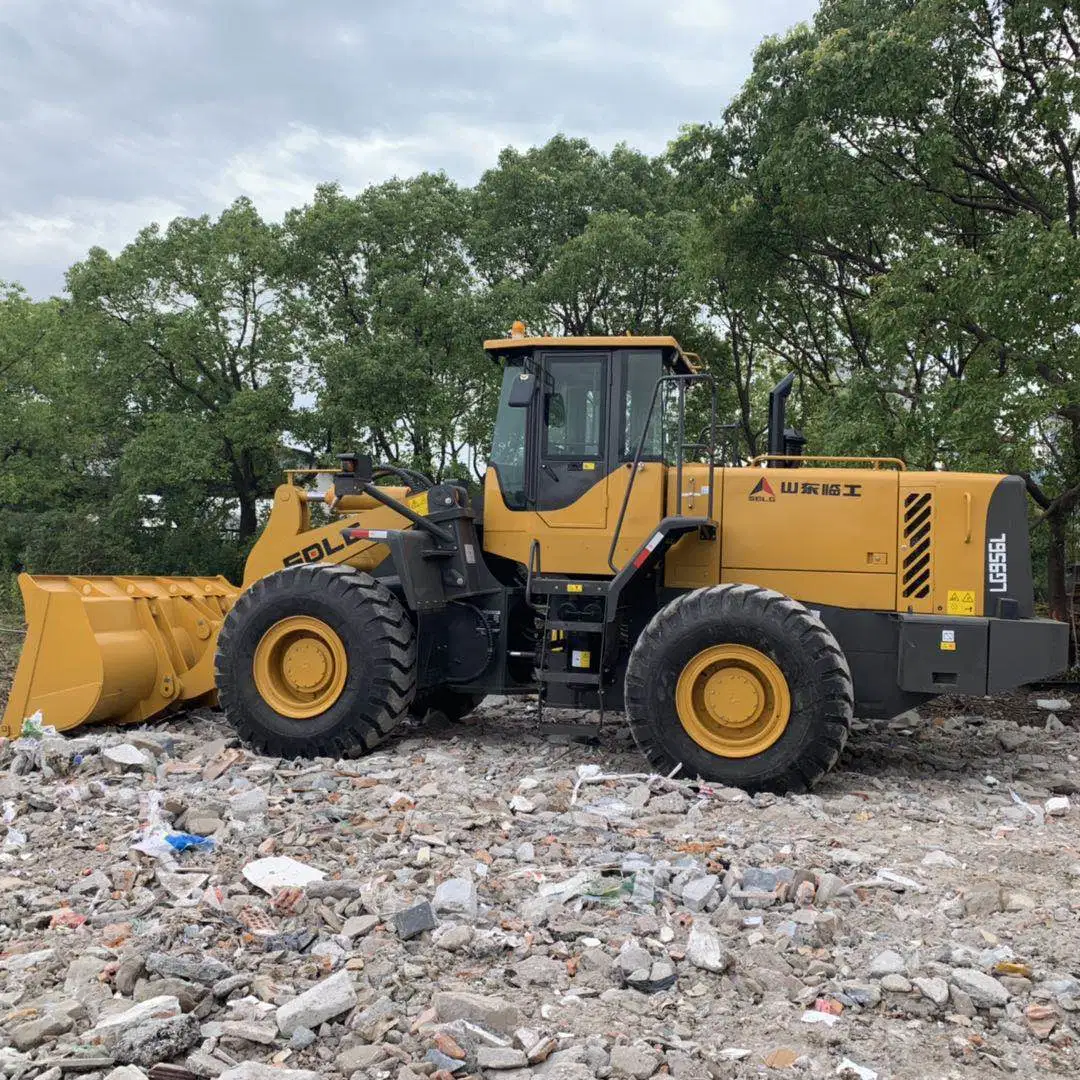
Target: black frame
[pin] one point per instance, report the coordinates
(576, 359)
(538, 484)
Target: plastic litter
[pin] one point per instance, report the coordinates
(15, 838)
(852, 1071)
(1037, 812)
(812, 1016)
(183, 841)
(29, 752)
(158, 841)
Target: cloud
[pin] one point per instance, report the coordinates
(283, 172)
(121, 112)
(50, 242)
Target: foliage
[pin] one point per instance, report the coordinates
(392, 319)
(892, 200)
(187, 341)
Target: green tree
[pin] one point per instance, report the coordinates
(59, 510)
(393, 321)
(580, 242)
(894, 191)
(28, 370)
(187, 334)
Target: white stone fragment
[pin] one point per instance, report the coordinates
(322, 1002)
(280, 872)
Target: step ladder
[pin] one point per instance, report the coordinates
(577, 616)
(573, 636)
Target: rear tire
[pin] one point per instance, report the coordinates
(370, 651)
(450, 703)
(803, 673)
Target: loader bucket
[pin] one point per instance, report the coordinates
(115, 648)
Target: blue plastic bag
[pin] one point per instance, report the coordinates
(181, 841)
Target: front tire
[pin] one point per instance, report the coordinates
(316, 661)
(740, 685)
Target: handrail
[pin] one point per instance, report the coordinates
(534, 560)
(681, 381)
(876, 462)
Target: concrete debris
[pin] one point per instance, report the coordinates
(126, 754)
(696, 894)
(935, 989)
(157, 1040)
(703, 948)
(156, 1008)
(201, 969)
(251, 1070)
(1053, 704)
(415, 920)
(639, 1062)
(886, 963)
(457, 896)
(501, 1057)
(324, 1001)
(494, 1013)
(478, 900)
(985, 992)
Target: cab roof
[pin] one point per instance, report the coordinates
(682, 362)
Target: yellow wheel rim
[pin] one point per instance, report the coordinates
(300, 667)
(733, 701)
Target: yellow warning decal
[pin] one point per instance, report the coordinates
(589, 466)
(419, 503)
(961, 602)
(574, 588)
(948, 646)
(580, 658)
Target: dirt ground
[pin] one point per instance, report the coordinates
(918, 915)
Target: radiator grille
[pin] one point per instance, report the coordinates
(918, 520)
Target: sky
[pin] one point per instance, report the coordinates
(118, 113)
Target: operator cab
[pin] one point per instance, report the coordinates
(572, 410)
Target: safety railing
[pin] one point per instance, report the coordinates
(802, 459)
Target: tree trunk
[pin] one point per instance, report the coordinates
(1059, 600)
(249, 519)
(1056, 568)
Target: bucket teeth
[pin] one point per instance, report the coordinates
(122, 649)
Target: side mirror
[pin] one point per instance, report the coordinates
(522, 390)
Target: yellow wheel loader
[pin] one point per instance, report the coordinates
(739, 615)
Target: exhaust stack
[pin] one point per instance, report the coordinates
(777, 412)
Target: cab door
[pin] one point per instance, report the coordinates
(572, 436)
(634, 384)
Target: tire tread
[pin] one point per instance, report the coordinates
(830, 697)
(375, 614)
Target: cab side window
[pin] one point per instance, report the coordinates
(640, 370)
(574, 409)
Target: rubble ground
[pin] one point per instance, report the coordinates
(491, 898)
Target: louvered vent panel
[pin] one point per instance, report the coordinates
(918, 536)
